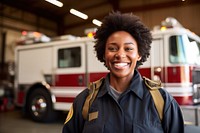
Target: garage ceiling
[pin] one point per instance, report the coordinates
(47, 10)
(44, 9)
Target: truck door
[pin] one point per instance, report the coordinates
(69, 73)
(157, 59)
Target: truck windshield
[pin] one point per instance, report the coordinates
(184, 50)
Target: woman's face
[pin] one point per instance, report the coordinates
(121, 54)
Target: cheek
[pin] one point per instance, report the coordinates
(108, 55)
(108, 58)
(135, 56)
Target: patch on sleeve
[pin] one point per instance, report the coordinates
(70, 114)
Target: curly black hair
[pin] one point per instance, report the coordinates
(128, 22)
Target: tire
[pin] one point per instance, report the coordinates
(40, 106)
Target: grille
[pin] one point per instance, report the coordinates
(196, 76)
(196, 85)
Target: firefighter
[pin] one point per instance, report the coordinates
(123, 103)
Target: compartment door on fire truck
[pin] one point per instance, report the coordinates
(69, 73)
(157, 59)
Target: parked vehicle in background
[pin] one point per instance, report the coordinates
(30, 37)
(50, 75)
(6, 96)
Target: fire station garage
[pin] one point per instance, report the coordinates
(47, 57)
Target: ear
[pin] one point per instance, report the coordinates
(139, 58)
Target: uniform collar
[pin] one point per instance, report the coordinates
(136, 85)
(105, 87)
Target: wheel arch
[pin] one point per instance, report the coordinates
(34, 87)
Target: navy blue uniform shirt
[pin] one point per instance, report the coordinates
(133, 112)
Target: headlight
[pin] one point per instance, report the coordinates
(2, 92)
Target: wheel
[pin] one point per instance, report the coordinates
(40, 107)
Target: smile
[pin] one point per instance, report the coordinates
(120, 65)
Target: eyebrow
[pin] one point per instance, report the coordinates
(129, 43)
(126, 43)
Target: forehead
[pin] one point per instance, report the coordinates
(116, 33)
(121, 36)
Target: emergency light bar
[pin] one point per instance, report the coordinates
(170, 22)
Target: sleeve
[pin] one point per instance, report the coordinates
(74, 122)
(173, 121)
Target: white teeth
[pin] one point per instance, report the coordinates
(121, 64)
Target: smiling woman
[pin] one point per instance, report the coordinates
(121, 102)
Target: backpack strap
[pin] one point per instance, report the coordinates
(152, 85)
(155, 93)
(93, 90)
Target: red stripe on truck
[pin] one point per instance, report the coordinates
(96, 76)
(76, 79)
(184, 100)
(65, 99)
(20, 97)
(70, 80)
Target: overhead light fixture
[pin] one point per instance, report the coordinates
(78, 14)
(55, 2)
(96, 22)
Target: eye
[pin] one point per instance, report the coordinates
(112, 48)
(129, 49)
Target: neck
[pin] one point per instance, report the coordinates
(120, 84)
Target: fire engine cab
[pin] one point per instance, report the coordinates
(50, 75)
(175, 60)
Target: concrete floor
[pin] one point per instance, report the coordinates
(13, 121)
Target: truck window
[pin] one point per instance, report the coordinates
(184, 50)
(69, 57)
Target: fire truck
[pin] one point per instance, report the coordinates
(175, 60)
(50, 75)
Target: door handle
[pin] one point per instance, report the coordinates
(80, 80)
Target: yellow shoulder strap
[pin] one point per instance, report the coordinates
(93, 90)
(153, 87)
(157, 97)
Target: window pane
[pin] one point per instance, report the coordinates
(176, 50)
(183, 49)
(69, 57)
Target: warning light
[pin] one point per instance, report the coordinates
(90, 34)
(163, 28)
(24, 33)
(36, 34)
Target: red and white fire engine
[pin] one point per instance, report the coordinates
(50, 75)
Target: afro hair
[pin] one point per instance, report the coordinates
(127, 22)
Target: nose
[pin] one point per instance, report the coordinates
(120, 54)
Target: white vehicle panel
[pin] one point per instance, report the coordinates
(33, 64)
